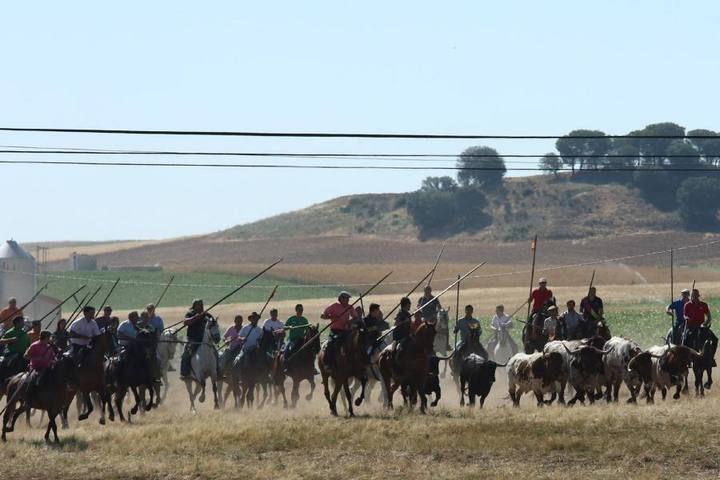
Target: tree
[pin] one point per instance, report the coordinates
(699, 201)
(431, 210)
(583, 151)
(657, 187)
(682, 154)
(486, 167)
(551, 163)
(654, 150)
(470, 203)
(439, 184)
(709, 148)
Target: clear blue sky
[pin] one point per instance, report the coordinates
(507, 67)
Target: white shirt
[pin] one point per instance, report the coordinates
(252, 335)
(499, 321)
(272, 325)
(84, 327)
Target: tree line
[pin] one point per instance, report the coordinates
(673, 174)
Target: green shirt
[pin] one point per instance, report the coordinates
(21, 344)
(296, 333)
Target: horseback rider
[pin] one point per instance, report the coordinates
(40, 356)
(196, 319)
(61, 337)
(551, 326)
(233, 341)
(374, 326)
(465, 324)
(502, 321)
(128, 330)
(35, 330)
(296, 326)
(8, 313)
(430, 311)
(591, 307)
(697, 315)
(250, 336)
(104, 321)
(82, 332)
(572, 321)
(677, 310)
(14, 342)
(154, 322)
(403, 329)
(276, 327)
(339, 313)
(540, 296)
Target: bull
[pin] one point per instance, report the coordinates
(562, 347)
(616, 369)
(479, 375)
(536, 372)
(662, 368)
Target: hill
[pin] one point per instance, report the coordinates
(554, 208)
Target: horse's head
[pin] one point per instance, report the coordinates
(443, 318)
(64, 369)
(267, 341)
(213, 330)
(603, 330)
(311, 334)
(473, 336)
(425, 336)
(169, 339)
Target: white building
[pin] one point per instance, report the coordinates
(18, 279)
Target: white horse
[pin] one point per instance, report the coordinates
(204, 365)
(501, 348)
(166, 351)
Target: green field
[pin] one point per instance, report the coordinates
(136, 289)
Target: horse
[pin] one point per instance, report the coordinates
(301, 367)
(252, 369)
(135, 369)
(351, 360)
(49, 395)
(204, 365)
(10, 365)
(166, 351)
(532, 337)
(702, 343)
(410, 371)
(500, 348)
(442, 336)
(91, 379)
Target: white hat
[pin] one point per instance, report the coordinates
(542, 280)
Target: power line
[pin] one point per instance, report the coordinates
(220, 133)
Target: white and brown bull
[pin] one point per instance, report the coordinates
(536, 372)
(661, 367)
(582, 367)
(616, 368)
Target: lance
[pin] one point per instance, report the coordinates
(452, 285)
(409, 293)
(437, 261)
(32, 299)
(532, 274)
(162, 295)
(72, 295)
(229, 294)
(79, 311)
(272, 294)
(79, 305)
(457, 312)
(347, 309)
(672, 275)
(107, 297)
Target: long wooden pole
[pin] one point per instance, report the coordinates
(364, 294)
(672, 275)
(437, 261)
(532, 275)
(79, 305)
(457, 312)
(267, 302)
(162, 295)
(33, 298)
(387, 315)
(79, 311)
(107, 297)
(60, 306)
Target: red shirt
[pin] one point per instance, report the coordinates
(695, 313)
(340, 316)
(41, 355)
(539, 297)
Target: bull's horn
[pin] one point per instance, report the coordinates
(500, 364)
(452, 354)
(605, 352)
(573, 352)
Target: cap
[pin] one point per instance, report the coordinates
(552, 308)
(685, 290)
(36, 322)
(542, 280)
(344, 294)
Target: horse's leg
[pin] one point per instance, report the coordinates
(349, 397)
(216, 400)
(203, 385)
(363, 384)
(709, 382)
(191, 395)
(100, 400)
(295, 393)
(119, 399)
(51, 418)
(136, 396)
(312, 389)
(333, 398)
(166, 384)
(88, 406)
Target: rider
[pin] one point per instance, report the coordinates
(233, 341)
(551, 324)
(61, 337)
(128, 330)
(403, 328)
(250, 336)
(503, 321)
(339, 314)
(375, 324)
(105, 320)
(676, 310)
(465, 324)
(296, 326)
(417, 321)
(591, 308)
(154, 322)
(697, 315)
(572, 321)
(35, 330)
(9, 312)
(540, 296)
(82, 331)
(276, 327)
(196, 319)
(15, 342)
(432, 307)
(40, 356)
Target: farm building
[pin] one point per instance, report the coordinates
(18, 279)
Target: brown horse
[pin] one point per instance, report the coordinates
(91, 378)
(301, 368)
(351, 361)
(411, 372)
(49, 395)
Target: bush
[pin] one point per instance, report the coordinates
(699, 201)
(431, 211)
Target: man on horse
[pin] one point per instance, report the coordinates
(128, 330)
(374, 326)
(677, 310)
(430, 311)
(250, 336)
(551, 327)
(572, 321)
(8, 313)
(296, 326)
(697, 316)
(465, 324)
(339, 313)
(277, 328)
(154, 323)
(233, 341)
(196, 319)
(15, 343)
(591, 307)
(502, 321)
(40, 356)
(104, 321)
(403, 328)
(82, 332)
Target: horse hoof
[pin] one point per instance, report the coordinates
(82, 417)
(133, 411)
(676, 396)
(358, 402)
(308, 398)
(102, 421)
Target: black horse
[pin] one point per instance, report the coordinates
(252, 369)
(704, 341)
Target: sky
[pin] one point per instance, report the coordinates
(511, 67)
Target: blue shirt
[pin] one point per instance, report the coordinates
(126, 329)
(157, 325)
(678, 306)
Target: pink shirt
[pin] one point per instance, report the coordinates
(232, 334)
(41, 355)
(340, 316)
